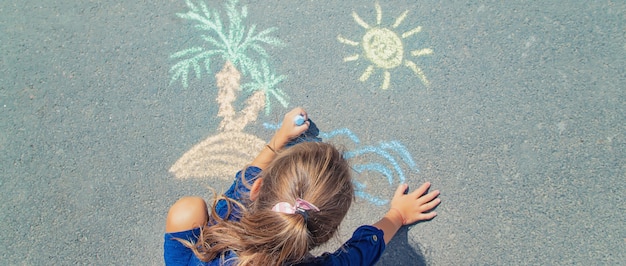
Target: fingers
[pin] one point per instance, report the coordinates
(299, 111)
(417, 204)
(291, 117)
(426, 216)
(306, 124)
(421, 190)
(428, 197)
(296, 111)
(400, 190)
(422, 212)
(430, 204)
(289, 129)
(301, 129)
(303, 114)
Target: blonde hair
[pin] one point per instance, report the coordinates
(313, 171)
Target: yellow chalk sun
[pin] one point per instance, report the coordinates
(384, 49)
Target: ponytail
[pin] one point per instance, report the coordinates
(313, 171)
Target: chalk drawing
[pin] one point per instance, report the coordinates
(389, 158)
(231, 42)
(264, 80)
(226, 152)
(384, 49)
(223, 154)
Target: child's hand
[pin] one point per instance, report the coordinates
(415, 206)
(289, 130)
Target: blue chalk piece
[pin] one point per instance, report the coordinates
(299, 120)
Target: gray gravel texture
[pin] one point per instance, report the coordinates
(521, 128)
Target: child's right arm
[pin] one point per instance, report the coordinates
(407, 209)
(287, 131)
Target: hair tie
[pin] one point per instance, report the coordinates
(301, 207)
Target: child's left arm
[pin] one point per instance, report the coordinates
(287, 131)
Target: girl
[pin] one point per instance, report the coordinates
(283, 205)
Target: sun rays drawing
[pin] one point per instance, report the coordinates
(242, 51)
(383, 48)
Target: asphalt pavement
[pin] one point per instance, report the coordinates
(112, 110)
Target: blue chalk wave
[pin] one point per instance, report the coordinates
(385, 159)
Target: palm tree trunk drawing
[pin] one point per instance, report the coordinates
(221, 155)
(228, 84)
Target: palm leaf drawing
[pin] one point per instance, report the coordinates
(230, 42)
(266, 81)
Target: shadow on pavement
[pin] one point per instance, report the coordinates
(401, 252)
